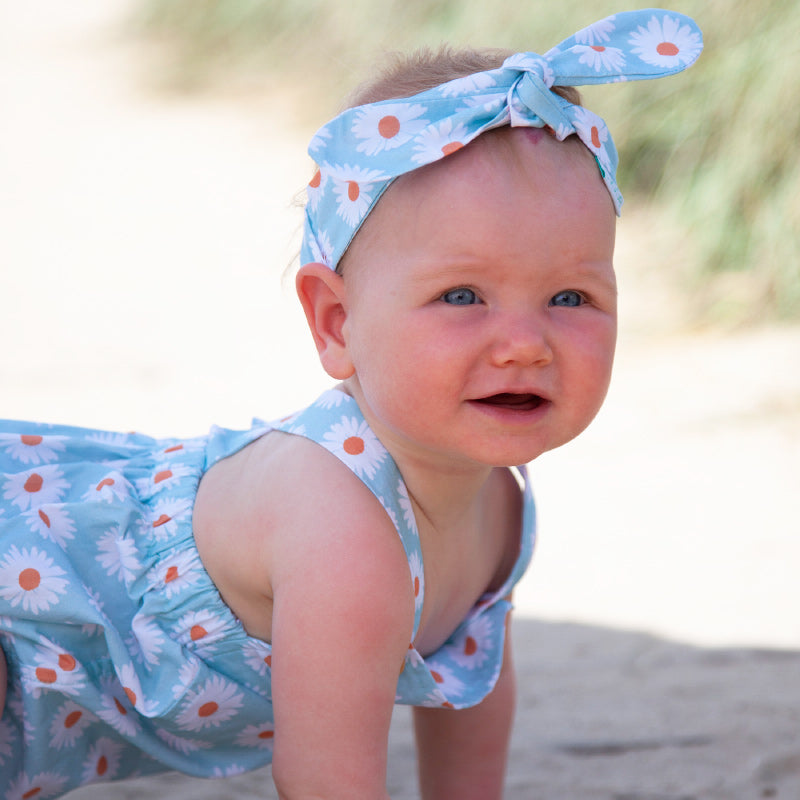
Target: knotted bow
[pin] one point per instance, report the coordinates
(361, 151)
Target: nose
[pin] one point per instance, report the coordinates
(521, 339)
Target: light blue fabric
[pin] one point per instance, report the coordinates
(123, 659)
(361, 151)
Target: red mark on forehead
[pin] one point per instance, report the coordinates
(536, 135)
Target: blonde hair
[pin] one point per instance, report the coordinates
(407, 74)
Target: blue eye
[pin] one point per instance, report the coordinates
(460, 297)
(568, 299)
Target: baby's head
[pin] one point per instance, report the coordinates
(429, 106)
(406, 75)
(459, 236)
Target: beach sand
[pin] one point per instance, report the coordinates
(657, 634)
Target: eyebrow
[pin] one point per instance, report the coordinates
(462, 270)
(606, 277)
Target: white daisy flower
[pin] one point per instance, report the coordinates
(187, 672)
(493, 102)
(164, 476)
(319, 139)
(331, 399)
(146, 640)
(439, 141)
(43, 785)
(469, 84)
(202, 628)
(109, 438)
(387, 126)
(405, 503)
(434, 700)
(166, 514)
(596, 32)
(30, 578)
(417, 576)
(472, 647)
(298, 430)
(216, 702)
(53, 669)
(448, 683)
(118, 554)
(355, 444)
(665, 43)
(593, 132)
(116, 709)
(389, 511)
(413, 658)
(315, 189)
(257, 656)
(112, 487)
(260, 736)
(321, 248)
(102, 760)
(354, 188)
(182, 446)
(176, 573)
(598, 57)
(51, 522)
(32, 448)
(131, 685)
(35, 487)
(69, 723)
(181, 744)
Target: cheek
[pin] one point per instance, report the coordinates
(410, 370)
(593, 359)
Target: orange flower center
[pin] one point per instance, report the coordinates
(29, 579)
(34, 483)
(389, 127)
(353, 445)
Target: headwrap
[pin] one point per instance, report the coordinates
(361, 151)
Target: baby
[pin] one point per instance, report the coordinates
(215, 604)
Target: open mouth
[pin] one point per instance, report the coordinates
(512, 401)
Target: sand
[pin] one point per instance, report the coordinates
(657, 634)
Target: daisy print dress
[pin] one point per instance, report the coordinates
(123, 660)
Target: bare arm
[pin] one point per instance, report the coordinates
(343, 616)
(463, 754)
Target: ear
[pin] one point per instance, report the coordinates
(322, 295)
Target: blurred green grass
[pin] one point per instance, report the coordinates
(712, 150)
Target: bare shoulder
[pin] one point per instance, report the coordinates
(284, 510)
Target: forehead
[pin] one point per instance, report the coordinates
(501, 173)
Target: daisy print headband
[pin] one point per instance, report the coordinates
(361, 151)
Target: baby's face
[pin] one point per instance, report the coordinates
(481, 301)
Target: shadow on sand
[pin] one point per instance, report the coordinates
(605, 714)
